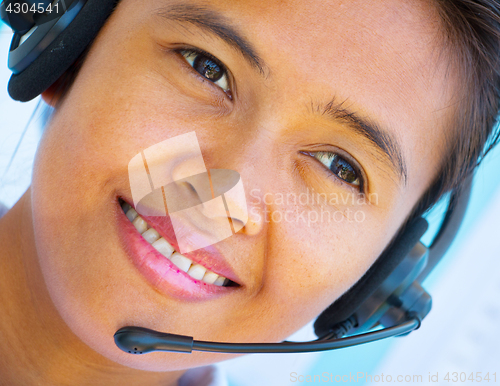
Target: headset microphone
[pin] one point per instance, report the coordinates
(139, 340)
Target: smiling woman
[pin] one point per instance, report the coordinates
(384, 106)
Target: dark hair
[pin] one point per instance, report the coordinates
(472, 37)
(471, 31)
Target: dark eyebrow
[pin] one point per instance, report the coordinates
(380, 138)
(216, 24)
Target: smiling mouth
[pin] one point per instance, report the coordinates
(194, 270)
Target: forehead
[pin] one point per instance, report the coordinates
(377, 42)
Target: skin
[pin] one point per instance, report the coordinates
(67, 285)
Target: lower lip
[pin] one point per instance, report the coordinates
(159, 271)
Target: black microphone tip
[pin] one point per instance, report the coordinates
(140, 340)
(133, 340)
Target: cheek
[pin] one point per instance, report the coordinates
(73, 200)
(90, 283)
(68, 220)
(313, 260)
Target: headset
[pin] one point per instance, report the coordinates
(387, 301)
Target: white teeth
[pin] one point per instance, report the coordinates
(132, 214)
(197, 271)
(181, 262)
(140, 224)
(221, 280)
(164, 247)
(151, 235)
(210, 277)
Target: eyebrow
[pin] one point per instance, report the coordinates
(380, 138)
(216, 24)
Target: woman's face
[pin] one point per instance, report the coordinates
(345, 100)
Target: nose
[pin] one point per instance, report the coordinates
(228, 185)
(171, 177)
(212, 203)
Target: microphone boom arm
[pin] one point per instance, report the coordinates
(139, 340)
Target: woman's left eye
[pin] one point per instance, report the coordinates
(340, 166)
(208, 67)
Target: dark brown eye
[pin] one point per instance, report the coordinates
(339, 166)
(208, 67)
(344, 170)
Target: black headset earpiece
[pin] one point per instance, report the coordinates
(390, 290)
(362, 306)
(41, 54)
(44, 46)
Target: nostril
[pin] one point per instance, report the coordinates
(252, 226)
(189, 186)
(237, 224)
(237, 221)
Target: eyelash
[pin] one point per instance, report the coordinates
(192, 55)
(335, 158)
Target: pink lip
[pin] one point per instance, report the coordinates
(161, 272)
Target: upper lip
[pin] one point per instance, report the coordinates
(209, 256)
